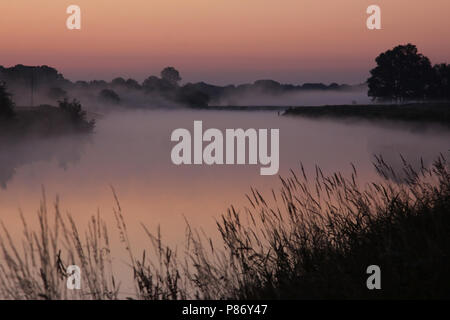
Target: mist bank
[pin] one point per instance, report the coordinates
(36, 85)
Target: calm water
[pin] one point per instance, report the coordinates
(131, 152)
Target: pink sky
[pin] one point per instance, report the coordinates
(219, 41)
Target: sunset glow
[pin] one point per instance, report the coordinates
(220, 41)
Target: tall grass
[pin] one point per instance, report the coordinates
(37, 267)
(312, 238)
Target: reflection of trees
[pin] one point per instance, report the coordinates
(18, 152)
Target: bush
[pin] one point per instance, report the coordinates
(6, 103)
(76, 114)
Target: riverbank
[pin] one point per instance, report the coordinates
(437, 112)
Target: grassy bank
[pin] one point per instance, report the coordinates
(414, 112)
(313, 237)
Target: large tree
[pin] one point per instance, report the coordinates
(401, 74)
(6, 103)
(171, 75)
(441, 82)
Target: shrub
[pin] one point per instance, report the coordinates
(76, 114)
(6, 102)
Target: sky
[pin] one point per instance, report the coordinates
(219, 41)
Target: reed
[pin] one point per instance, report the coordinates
(312, 238)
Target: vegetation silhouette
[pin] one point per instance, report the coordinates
(27, 81)
(171, 75)
(403, 74)
(109, 96)
(6, 102)
(425, 114)
(440, 86)
(76, 114)
(312, 239)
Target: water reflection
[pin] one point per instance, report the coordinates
(17, 152)
(131, 152)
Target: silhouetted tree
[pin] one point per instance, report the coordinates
(314, 86)
(157, 85)
(109, 96)
(132, 84)
(118, 82)
(122, 83)
(401, 74)
(189, 95)
(76, 114)
(268, 86)
(82, 84)
(98, 84)
(6, 103)
(440, 87)
(42, 76)
(171, 75)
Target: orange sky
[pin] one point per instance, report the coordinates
(220, 41)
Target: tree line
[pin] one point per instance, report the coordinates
(402, 74)
(167, 87)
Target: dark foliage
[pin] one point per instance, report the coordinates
(419, 113)
(440, 86)
(171, 75)
(109, 96)
(132, 84)
(118, 82)
(156, 85)
(160, 90)
(24, 76)
(401, 74)
(76, 114)
(6, 102)
(191, 96)
(404, 74)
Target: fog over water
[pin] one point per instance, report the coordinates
(299, 98)
(130, 151)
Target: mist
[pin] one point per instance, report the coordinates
(296, 98)
(130, 151)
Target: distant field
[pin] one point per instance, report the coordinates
(417, 112)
